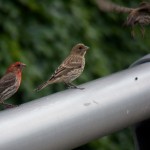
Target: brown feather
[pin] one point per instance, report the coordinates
(139, 15)
(70, 68)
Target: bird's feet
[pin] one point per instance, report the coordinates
(7, 105)
(72, 86)
(75, 87)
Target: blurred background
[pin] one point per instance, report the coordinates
(42, 33)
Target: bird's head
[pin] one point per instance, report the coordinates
(79, 49)
(16, 67)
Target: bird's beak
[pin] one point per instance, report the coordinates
(86, 47)
(23, 65)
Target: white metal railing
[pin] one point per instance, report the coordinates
(73, 117)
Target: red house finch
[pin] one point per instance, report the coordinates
(70, 69)
(10, 82)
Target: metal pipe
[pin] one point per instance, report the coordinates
(73, 117)
(141, 129)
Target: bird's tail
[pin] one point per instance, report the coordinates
(42, 86)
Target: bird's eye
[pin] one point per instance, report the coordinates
(80, 47)
(18, 65)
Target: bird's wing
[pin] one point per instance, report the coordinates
(6, 81)
(67, 65)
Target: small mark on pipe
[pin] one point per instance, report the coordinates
(127, 111)
(95, 102)
(136, 78)
(87, 104)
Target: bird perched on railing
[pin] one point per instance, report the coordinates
(70, 68)
(10, 82)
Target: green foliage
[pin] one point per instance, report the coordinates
(41, 34)
(118, 141)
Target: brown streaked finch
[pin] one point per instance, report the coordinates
(70, 69)
(10, 82)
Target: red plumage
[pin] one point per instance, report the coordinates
(10, 82)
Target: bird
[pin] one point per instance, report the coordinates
(70, 69)
(136, 16)
(10, 82)
(141, 16)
